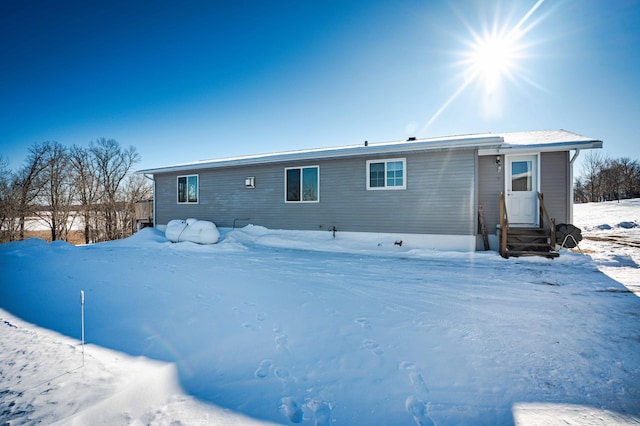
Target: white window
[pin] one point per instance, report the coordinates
(387, 174)
(302, 184)
(188, 189)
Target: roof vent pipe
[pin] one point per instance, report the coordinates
(366, 143)
(411, 139)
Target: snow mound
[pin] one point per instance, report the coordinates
(59, 244)
(145, 237)
(148, 235)
(193, 230)
(603, 227)
(29, 243)
(627, 225)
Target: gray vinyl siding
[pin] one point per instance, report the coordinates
(490, 185)
(555, 185)
(438, 198)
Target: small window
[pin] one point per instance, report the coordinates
(521, 175)
(188, 190)
(386, 174)
(302, 184)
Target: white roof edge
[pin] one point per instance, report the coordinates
(486, 143)
(461, 142)
(548, 147)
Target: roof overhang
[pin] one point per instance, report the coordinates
(528, 149)
(541, 141)
(374, 149)
(485, 144)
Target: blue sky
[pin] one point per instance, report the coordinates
(190, 80)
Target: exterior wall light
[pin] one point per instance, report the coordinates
(250, 182)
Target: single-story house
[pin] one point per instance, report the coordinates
(449, 193)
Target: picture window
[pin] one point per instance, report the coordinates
(302, 184)
(188, 189)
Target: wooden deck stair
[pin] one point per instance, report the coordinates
(530, 242)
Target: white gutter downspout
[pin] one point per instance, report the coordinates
(573, 159)
(152, 178)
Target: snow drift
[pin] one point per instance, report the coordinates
(299, 326)
(194, 230)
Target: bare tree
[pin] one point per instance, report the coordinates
(8, 202)
(134, 189)
(28, 183)
(629, 176)
(85, 176)
(592, 168)
(608, 179)
(579, 192)
(634, 186)
(57, 183)
(112, 165)
(56, 195)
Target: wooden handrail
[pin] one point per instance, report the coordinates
(543, 220)
(504, 226)
(544, 217)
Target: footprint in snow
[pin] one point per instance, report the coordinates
(264, 369)
(282, 374)
(290, 409)
(372, 346)
(418, 383)
(362, 322)
(282, 343)
(321, 411)
(332, 312)
(419, 410)
(415, 377)
(406, 365)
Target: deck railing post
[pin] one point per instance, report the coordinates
(541, 209)
(504, 224)
(544, 216)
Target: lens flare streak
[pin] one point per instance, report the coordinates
(492, 57)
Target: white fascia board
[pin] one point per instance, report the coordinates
(535, 148)
(338, 152)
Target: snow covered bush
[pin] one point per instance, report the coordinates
(194, 230)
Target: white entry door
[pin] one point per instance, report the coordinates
(522, 189)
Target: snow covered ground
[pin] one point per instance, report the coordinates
(295, 327)
(611, 234)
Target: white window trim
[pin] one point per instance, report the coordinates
(178, 191)
(385, 187)
(301, 183)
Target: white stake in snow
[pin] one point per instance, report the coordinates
(82, 308)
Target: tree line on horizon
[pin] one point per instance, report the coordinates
(91, 188)
(607, 179)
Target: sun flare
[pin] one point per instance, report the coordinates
(492, 58)
(493, 55)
